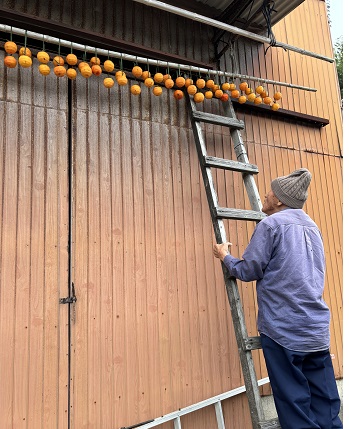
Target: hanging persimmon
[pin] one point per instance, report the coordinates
(275, 106)
(192, 89)
(225, 97)
(169, 83)
(208, 95)
(10, 47)
(200, 83)
(43, 57)
(242, 99)
(218, 93)
(82, 64)
(157, 90)
(119, 73)
(71, 59)
(149, 82)
(59, 71)
(267, 100)
(95, 61)
(96, 70)
(44, 69)
(136, 89)
(166, 76)
(122, 80)
(108, 66)
(251, 97)
(178, 94)
(158, 77)
(108, 82)
(10, 61)
(137, 71)
(145, 74)
(277, 96)
(86, 71)
(225, 86)
(209, 84)
(243, 86)
(180, 81)
(25, 61)
(71, 73)
(258, 100)
(235, 93)
(25, 51)
(58, 61)
(199, 97)
(188, 81)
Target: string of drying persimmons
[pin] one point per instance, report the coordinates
(209, 88)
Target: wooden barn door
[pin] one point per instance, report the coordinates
(34, 242)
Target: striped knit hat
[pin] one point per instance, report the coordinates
(291, 190)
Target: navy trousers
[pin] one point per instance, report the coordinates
(304, 387)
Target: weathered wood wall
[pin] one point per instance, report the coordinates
(33, 243)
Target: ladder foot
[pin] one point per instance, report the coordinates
(269, 424)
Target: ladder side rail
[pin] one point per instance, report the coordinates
(241, 155)
(177, 423)
(250, 378)
(248, 368)
(246, 359)
(212, 198)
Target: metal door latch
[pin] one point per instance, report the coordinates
(70, 299)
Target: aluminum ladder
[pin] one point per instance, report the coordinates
(215, 401)
(245, 343)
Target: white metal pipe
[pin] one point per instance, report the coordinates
(229, 28)
(198, 406)
(142, 60)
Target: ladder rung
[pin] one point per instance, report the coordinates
(227, 164)
(270, 424)
(252, 343)
(239, 214)
(218, 120)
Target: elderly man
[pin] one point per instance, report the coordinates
(286, 258)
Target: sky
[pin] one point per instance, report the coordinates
(336, 17)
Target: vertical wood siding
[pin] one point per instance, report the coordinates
(151, 330)
(152, 333)
(33, 240)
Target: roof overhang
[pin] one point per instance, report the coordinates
(244, 14)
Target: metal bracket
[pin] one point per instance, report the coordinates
(251, 343)
(70, 299)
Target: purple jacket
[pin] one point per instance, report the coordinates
(286, 257)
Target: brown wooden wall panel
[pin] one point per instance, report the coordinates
(34, 262)
(153, 333)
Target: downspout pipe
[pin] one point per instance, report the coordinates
(229, 28)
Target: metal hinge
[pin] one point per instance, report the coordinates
(70, 299)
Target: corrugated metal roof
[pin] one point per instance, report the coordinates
(247, 14)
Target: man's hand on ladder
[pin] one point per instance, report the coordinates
(221, 250)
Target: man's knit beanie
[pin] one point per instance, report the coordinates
(291, 190)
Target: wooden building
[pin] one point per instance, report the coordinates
(101, 190)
